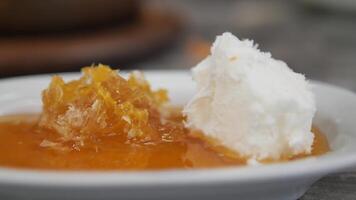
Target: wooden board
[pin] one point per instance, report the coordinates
(70, 51)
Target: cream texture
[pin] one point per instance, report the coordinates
(250, 102)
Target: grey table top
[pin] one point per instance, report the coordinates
(321, 45)
(337, 186)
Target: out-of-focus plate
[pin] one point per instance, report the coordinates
(335, 117)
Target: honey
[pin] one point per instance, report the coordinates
(105, 122)
(103, 103)
(20, 140)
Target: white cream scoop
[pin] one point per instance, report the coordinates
(250, 102)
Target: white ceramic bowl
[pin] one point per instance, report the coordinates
(335, 116)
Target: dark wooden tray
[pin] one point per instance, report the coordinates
(70, 51)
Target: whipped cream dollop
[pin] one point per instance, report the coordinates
(251, 103)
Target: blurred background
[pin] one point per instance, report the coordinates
(315, 37)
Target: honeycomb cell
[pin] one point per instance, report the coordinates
(103, 103)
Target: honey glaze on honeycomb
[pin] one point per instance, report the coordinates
(103, 121)
(102, 103)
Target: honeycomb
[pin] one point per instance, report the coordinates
(102, 103)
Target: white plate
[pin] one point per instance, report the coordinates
(335, 116)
